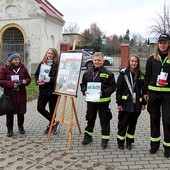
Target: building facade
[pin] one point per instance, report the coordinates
(29, 27)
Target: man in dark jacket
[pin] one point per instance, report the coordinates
(98, 74)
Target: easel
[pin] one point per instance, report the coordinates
(62, 120)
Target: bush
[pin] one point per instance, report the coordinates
(32, 89)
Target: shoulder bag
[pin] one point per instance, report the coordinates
(6, 105)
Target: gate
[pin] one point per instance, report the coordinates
(12, 41)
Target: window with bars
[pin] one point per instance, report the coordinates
(12, 41)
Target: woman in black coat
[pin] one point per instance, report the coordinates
(129, 101)
(45, 77)
(13, 78)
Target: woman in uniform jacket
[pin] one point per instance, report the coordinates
(129, 101)
(157, 94)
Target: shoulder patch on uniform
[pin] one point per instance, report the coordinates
(168, 61)
(105, 75)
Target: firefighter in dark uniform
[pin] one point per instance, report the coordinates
(129, 101)
(157, 93)
(98, 73)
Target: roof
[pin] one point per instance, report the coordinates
(49, 9)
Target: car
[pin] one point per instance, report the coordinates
(87, 60)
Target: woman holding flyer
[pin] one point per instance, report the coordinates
(45, 77)
(14, 78)
(157, 93)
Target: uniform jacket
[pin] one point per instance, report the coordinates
(123, 94)
(47, 88)
(106, 77)
(153, 69)
(19, 97)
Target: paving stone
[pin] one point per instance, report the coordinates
(33, 151)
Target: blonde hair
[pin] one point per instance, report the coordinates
(56, 56)
(157, 51)
(96, 54)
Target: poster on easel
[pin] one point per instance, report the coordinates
(68, 73)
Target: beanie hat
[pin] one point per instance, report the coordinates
(164, 37)
(13, 55)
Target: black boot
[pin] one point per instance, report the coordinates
(121, 146)
(153, 150)
(21, 130)
(87, 139)
(10, 133)
(129, 145)
(167, 154)
(46, 130)
(104, 143)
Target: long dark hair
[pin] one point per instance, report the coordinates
(137, 71)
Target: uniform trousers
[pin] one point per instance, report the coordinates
(105, 116)
(159, 104)
(127, 125)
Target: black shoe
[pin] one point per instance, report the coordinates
(129, 146)
(56, 128)
(10, 133)
(121, 147)
(153, 151)
(167, 154)
(21, 130)
(87, 139)
(47, 130)
(104, 143)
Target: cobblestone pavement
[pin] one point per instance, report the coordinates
(33, 151)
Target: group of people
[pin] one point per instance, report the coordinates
(134, 90)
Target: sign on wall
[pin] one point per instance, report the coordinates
(69, 73)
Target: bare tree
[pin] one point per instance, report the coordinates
(71, 28)
(161, 24)
(95, 30)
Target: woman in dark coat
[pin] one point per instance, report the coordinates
(13, 78)
(45, 77)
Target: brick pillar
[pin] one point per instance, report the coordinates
(124, 55)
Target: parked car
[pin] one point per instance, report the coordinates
(87, 59)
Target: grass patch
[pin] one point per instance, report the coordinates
(32, 89)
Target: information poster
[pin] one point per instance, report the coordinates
(68, 73)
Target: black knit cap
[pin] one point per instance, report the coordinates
(164, 37)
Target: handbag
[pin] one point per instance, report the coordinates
(6, 105)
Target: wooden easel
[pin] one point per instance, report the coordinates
(62, 120)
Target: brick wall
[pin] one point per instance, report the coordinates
(124, 55)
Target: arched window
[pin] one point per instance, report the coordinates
(12, 40)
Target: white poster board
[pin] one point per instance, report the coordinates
(68, 74)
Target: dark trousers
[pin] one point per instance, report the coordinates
(159, 103)
(10, 121)
(105, 116)
(126, 125)
(42, 102)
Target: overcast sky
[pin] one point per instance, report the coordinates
(112, 16)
